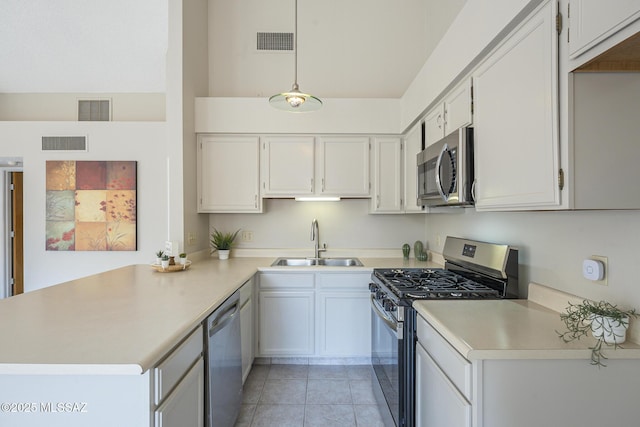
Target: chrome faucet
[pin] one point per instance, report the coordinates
(315, 236)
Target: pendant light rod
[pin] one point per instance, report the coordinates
(295, 44)
(295, 101)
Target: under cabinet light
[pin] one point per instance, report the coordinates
(317, 199)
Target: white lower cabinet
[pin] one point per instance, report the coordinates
(314, 315)
(438, 402)
(511, 390)
(179, 385)
(184, 407)
(286, 314)
(344, 315)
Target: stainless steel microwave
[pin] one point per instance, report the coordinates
(445, 171)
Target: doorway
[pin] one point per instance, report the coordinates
(16, 277)
(11, 228)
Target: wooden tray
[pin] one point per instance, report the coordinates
(171, 268)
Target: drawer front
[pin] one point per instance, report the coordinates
(343, 281)
(173, 368)
(286, 280)
(454, 366)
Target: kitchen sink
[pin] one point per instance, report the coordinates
(311, 262)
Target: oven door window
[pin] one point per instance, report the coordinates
(447, 174)
(384, 358)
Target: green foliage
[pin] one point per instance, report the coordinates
(165, 257)
(579, 317)
(222, 241)
(183, 255)
(159, 254)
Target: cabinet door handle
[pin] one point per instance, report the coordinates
(439, 121)
(255, 201)
(473, 191)
(377, 201)
(323, 185)
(311, 191)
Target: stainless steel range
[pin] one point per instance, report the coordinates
(473, 270)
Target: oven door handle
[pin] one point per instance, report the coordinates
(386, 319)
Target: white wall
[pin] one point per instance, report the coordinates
(553, 244)
(64, 106)
(195, 83)
(344, 225)
(144, 142)
(476, 29)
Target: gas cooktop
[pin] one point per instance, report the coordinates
(419, 283)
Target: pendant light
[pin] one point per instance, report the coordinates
(295, 101)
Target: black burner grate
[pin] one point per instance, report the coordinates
(418, 283)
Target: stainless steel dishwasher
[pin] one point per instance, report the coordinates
(224, 364)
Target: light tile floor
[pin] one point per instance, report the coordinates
(309, 396)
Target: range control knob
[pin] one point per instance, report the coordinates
(388, 305)
(379, 294)
(373, 287)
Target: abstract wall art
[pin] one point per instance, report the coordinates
(91, 206)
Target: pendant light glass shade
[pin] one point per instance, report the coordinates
(295, 101)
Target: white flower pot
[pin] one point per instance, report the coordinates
(165, 264)
(158, 260)
(223, 254)
(183, 261)
(610, 330)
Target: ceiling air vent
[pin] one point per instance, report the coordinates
(275, 41)
(64, 143)
(94, 110)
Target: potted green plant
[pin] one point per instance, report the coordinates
(183, 258)
(165, 261)
(607, 323)
(222, 242)
(159, 255)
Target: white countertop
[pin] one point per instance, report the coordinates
(511, 329)
(123, 321)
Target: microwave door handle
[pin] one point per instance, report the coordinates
(445, 148)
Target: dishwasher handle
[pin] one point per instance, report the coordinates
(225, 317)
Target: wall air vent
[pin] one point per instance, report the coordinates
(64, 143)
(275, 41)
(94, 110)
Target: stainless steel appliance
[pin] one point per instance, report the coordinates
(223, 391)
(445, 171)
(473, 270)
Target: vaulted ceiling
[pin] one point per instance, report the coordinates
(346, 48)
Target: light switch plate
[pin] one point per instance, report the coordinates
(171, 248)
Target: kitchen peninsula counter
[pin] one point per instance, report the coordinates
(125, 320)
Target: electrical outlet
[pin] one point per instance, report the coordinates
(192, 238)
(247, 236)
(438, 240)
(605, 261)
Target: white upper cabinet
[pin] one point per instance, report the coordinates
(288, 165)
(516, 119)
(386, 174)
(592, 21)
(454, 112)
(343, 166)
(412, 146)
(324, 166)
(228, 174)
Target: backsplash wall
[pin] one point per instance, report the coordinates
(346, 224)
(554, 244)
